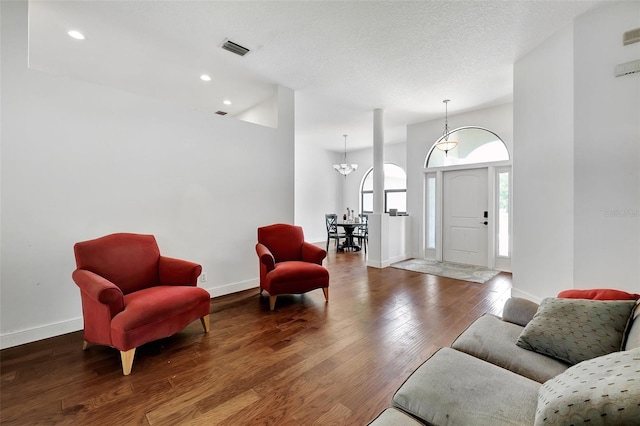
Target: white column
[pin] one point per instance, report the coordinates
(378, 222)
(378, 161)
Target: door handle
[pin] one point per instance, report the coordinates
(484, 223)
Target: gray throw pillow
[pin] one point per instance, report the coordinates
(600, 391)
(574, 330)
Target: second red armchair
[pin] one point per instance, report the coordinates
(288, 264)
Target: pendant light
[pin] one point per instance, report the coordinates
(345, 168)
(444, 143)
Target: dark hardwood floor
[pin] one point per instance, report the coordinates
(306, 363)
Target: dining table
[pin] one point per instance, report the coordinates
(349, 241)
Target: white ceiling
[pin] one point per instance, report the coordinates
(342, 58)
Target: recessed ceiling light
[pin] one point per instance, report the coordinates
(76, 34)
(226, 102)
(205, 77)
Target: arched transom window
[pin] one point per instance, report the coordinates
(475, 145)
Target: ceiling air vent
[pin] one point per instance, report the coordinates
(234, 47)
(221, 112)
(631, 36)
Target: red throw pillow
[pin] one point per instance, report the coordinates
(598, 294)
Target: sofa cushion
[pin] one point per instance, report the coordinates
(394, 417)
(519, 311)
(493, 340)
(574, 330)
(603, 390)
(452, 387)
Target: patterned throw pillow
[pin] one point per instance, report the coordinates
(632, 338)
(574, 330)
(600, 391)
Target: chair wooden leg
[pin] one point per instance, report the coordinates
(325, 290)
(85, 345)
(272, 302)
(127, 360)
(205, 323)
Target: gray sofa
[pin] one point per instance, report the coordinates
(487, 377)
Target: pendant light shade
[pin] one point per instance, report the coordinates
(445, 144)
(345, 168)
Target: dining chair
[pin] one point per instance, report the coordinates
(362, 233)
(331, 220)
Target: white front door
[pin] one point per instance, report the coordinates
(463, 220)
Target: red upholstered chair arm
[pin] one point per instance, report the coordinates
(312, 253)
(178, 272)
(266, 257)
(99, 289)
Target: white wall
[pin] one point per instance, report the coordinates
(543, 169)
(421, 137)
(577, 159)
(80, 161)
(318, 189)
(264, 113)
(607, 151)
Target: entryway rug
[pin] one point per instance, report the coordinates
(458, 271)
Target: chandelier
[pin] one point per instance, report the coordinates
(345, 168)
(444, 143)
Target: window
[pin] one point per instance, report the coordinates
(395, 190)
(475, 145)
(431, 211)
(504, 201)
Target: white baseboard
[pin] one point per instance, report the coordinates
(399, 258)
(387, 262)
(518, 293)
(374, 264)
(232, 288)
(21, 337)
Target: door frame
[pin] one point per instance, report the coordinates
(436, 253)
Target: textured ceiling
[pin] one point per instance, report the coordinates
(343, 58)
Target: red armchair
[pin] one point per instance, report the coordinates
(132, 295)
(288, 264)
